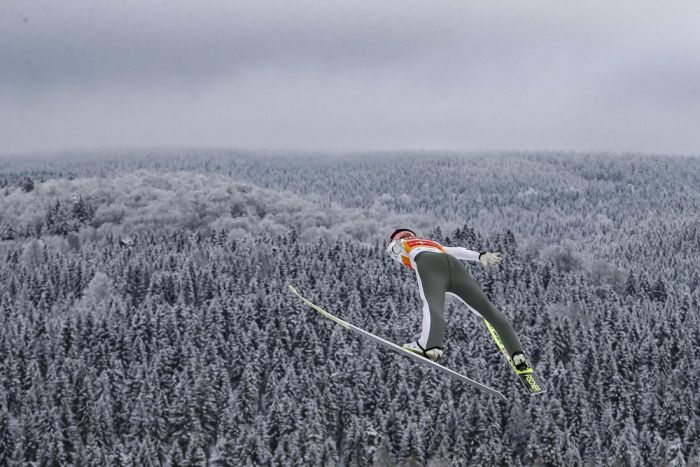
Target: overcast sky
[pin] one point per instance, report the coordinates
(352, 75)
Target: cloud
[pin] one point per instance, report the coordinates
(350, 75)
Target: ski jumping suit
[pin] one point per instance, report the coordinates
(439, 271)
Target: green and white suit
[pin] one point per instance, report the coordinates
(439, 272)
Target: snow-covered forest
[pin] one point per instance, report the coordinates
(145, 317)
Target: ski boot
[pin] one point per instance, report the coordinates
(520, 363)
(433, 354)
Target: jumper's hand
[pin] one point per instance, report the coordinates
(489, 259)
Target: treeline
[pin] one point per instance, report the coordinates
(597, 204)
(147, 201)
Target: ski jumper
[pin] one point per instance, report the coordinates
(438, 272)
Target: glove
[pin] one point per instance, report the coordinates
(489, 259)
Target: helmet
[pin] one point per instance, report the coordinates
(393, 234)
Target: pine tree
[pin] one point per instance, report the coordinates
(384, 457)
(75, 274)
(643, 285)
(628, 444)
(51, 449)
(630, 285)
(228, 453)
(7, 442)
(27, 184)
(145, 453)
(194, 456)
(460, 449)
(247, 406)
(658, 290)
(206, 407)
(551, 439)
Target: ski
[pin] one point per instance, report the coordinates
(527, 377)
(395, 347)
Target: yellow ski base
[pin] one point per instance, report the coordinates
(526, 376)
